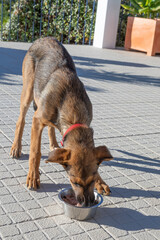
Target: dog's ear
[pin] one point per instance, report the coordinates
(102, 154)
(59, 155)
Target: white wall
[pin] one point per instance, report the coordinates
(106, 23)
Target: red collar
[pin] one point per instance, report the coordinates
(71, 128)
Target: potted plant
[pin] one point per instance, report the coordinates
(143, 31)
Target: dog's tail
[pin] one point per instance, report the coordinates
(34, 105)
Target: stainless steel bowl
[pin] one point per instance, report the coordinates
(79, 213)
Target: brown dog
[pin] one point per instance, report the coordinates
(60, 100)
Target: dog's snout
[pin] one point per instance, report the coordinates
(89, 200)
(80, 199)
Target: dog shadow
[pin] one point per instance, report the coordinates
(52, 187)
(126, 219)
(25, 157)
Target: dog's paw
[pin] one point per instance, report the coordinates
(53, 147)
(15, 151)
(102, 188)
(33, 180)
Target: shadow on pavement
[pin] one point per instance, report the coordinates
(100, 62)
(116, 191)
(51, 187)
(126, 163)
(25, 156)
(138, 156)
(103, 75)
(136, 162)
(10, 63)
(126, 219)
(117, 77)
(129, 193)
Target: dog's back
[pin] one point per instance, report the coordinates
(48, 56)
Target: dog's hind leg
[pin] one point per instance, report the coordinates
(26, 98)
(52, 138)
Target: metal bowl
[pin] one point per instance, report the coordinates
(79, 213)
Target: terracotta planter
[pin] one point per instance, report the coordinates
(143, 34)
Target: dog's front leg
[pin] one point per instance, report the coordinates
(52, 138)
(33, 179)
(101, 186)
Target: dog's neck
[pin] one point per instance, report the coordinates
(77, 125)
(81, 135)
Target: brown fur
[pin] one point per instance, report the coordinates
(60, 100)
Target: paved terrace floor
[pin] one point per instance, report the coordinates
(124, 88)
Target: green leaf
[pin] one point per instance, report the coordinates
(129, 8)
(156, 9)
(147, 7)
(141, 3)
(148, 2)
(155, 3)
(144, 10)
(135, 4)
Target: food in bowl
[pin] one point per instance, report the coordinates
(71, 199)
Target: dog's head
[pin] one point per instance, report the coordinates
(82, 168)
